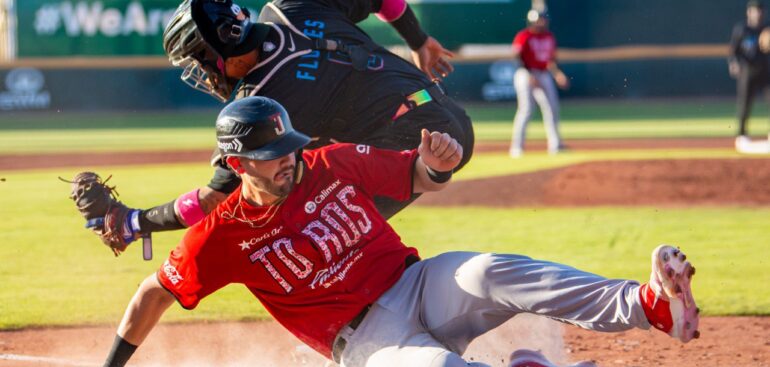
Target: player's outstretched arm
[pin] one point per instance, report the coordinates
(734, 55)
(439, 155)
(428, 54)
(433, 59)
(118, 225)
(145, 309)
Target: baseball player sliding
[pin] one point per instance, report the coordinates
(302, 233)
(535, 47)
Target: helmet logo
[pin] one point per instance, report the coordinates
(235, 9)
(279, 127)
(234, 145)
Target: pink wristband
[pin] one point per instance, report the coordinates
(391, 10)
(188, 206)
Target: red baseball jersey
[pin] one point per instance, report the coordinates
(535, 49)
(324, 255)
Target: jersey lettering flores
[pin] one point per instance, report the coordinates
(316, 263)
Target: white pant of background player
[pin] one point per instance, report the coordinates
(430, 316)
(546, 97)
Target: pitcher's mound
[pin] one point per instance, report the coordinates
(649, 182)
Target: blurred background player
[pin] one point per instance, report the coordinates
(535, 48)
(748, 64)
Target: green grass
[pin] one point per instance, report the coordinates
(108, 120)
(626, 119)
(78, 132)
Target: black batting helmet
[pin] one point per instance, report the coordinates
(202, 34)
(257, 128)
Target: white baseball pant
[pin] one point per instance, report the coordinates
(430, 316)
(546, 97)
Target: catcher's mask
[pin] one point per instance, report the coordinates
(202, 34)
(257, 128)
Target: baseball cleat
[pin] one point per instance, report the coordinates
(561, 148)
(531, 358)
(667, 299)
(744, 144)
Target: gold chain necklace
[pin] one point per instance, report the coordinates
(270, 213)
(271, 210)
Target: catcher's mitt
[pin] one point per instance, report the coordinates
(105, 215)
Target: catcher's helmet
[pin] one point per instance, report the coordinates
(257, 128)
(202, 34)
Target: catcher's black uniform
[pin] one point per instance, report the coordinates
(361, 94)
(754, 75)
(334, 81)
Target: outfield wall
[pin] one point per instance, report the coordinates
(58, 88)
(610, 48)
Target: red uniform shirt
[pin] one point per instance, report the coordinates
(535, 49)
(323, 256)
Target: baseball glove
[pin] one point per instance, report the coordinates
(107, 217)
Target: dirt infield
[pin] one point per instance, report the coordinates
(645, 182)
(11, 162)
(725, 341)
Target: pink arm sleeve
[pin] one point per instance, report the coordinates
(189, 208)
(391, 10)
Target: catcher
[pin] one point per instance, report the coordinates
(303, 235)
(310, 56)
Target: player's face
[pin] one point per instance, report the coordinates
(754, 16)
(541, 25)
(275, 177)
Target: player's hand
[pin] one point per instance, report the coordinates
(734, 68)
(533, 82)
(764, 40)
(439, 151)
(432, 59)
(561, 81)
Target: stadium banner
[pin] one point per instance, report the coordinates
(51, 28)
(91, 28)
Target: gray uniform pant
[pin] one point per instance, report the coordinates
(441, 304)
(546, 97)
